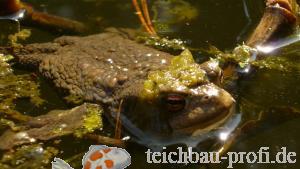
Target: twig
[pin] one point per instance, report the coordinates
(147, 16)
(118, 128)
(141, 17)
(106, 140)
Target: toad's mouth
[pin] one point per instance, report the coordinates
(199, 125)
(284, 7)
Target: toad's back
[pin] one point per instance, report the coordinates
(95, 67)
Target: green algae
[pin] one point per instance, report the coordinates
(91, 121)
(28, 157)
(283, 64)
(162, 43)
(14, 87)
(87, 121)
(182, 73)
(77, 121)
(242, 54)
(21, 35)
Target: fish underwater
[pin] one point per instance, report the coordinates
(99, 157)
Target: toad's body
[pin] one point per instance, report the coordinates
(156, 87)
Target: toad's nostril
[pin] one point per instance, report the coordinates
(205, 98)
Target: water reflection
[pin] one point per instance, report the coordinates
(279, 44)
(156, 141)
(15, 17)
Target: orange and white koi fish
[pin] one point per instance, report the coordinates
(99, 157)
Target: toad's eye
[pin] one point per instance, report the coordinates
(175, 102)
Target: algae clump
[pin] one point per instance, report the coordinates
(241, 55)
(13, 87)
(182, 73)
(91, 121)
(162, 43)
(21, 35)
(244, 55)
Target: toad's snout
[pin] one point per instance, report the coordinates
(205, 112)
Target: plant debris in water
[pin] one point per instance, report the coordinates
(163, 43)
(242, 55)
(13, 87)
(277, 63)
(22, 35)
(91, 121)
(28, 157)
(78, 121)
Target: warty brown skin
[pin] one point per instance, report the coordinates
(108, 67)
(97, 67)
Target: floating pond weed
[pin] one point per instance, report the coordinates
(91, 121)
(13, 87)
(242, 56)
(183, 73)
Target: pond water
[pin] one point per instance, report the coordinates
(221, 23)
